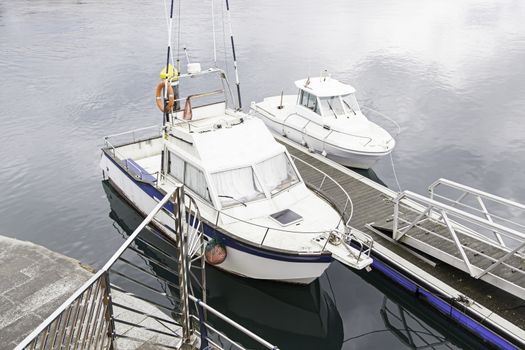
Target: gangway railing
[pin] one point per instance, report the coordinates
(457, 221)
(143, 281)
(479, 203)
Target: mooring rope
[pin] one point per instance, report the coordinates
(394, 171)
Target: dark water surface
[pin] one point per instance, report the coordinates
(451, 73)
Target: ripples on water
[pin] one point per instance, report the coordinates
(71, 72)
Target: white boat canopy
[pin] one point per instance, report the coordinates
(324, 87)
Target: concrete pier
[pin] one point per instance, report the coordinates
(34, 282)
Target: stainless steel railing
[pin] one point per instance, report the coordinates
(458, 221)
(132, 285)
(129, 137)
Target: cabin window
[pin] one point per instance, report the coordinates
(195, 180)
(332, 106)
(277, 173)
(187, 174)
(350, 103)
(309, 101)
(176, 167)
(237, 186)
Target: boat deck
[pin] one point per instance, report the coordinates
(373, 209)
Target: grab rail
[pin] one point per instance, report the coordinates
(384, 116)
(119, 156)
(255, 109)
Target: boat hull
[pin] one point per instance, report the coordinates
(318, 141)
(243, 259)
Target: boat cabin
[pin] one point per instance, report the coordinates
(230, 166)
(327, 97)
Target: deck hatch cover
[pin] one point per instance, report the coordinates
(286, 217)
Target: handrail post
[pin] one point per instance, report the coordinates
(396, 217)
(108, 315)
(178, 212)
(202, 326)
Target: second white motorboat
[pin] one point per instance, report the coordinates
(325, 117)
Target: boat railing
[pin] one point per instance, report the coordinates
(397, 129)
(114, 141)
(328, 187)
(459, 222)
(366, 139)
(144, 287)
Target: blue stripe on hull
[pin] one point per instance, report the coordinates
(442, 306)
(225, 238)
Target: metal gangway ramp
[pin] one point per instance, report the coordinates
(456, 225)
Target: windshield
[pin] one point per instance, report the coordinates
(332, 106)
(237, 186)
(350, 104)
(277, 173)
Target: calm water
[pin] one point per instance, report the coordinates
(452, 74)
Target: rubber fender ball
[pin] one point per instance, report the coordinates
(215, 252)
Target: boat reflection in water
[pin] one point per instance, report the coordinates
(306, 317)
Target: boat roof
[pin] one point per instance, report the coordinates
(234, 146)
(324, 86)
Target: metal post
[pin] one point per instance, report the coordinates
(202, 324)
(109, 307)
(178, 208)
(458, 243)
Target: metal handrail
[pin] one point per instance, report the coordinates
(101, 280)
(469, 189)
(442, 212)
(119, 155)
(509, 232)
(385, 117)
(314, 122)
(233, 323)
(348, 200)
(96, 276)
(481, 197)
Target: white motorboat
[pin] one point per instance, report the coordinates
(325, 117)
(256, 214)
(251, 198)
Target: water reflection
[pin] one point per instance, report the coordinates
(369, 173)
(307, 317)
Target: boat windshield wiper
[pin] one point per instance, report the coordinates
(347, 105)
(230, 197)
(329, 105)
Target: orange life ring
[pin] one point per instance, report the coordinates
(171, 96)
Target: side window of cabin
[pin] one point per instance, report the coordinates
(196, 181)
(192, 177)
(176, 167)
(309, 101)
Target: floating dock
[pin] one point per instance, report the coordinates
(478, 284)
